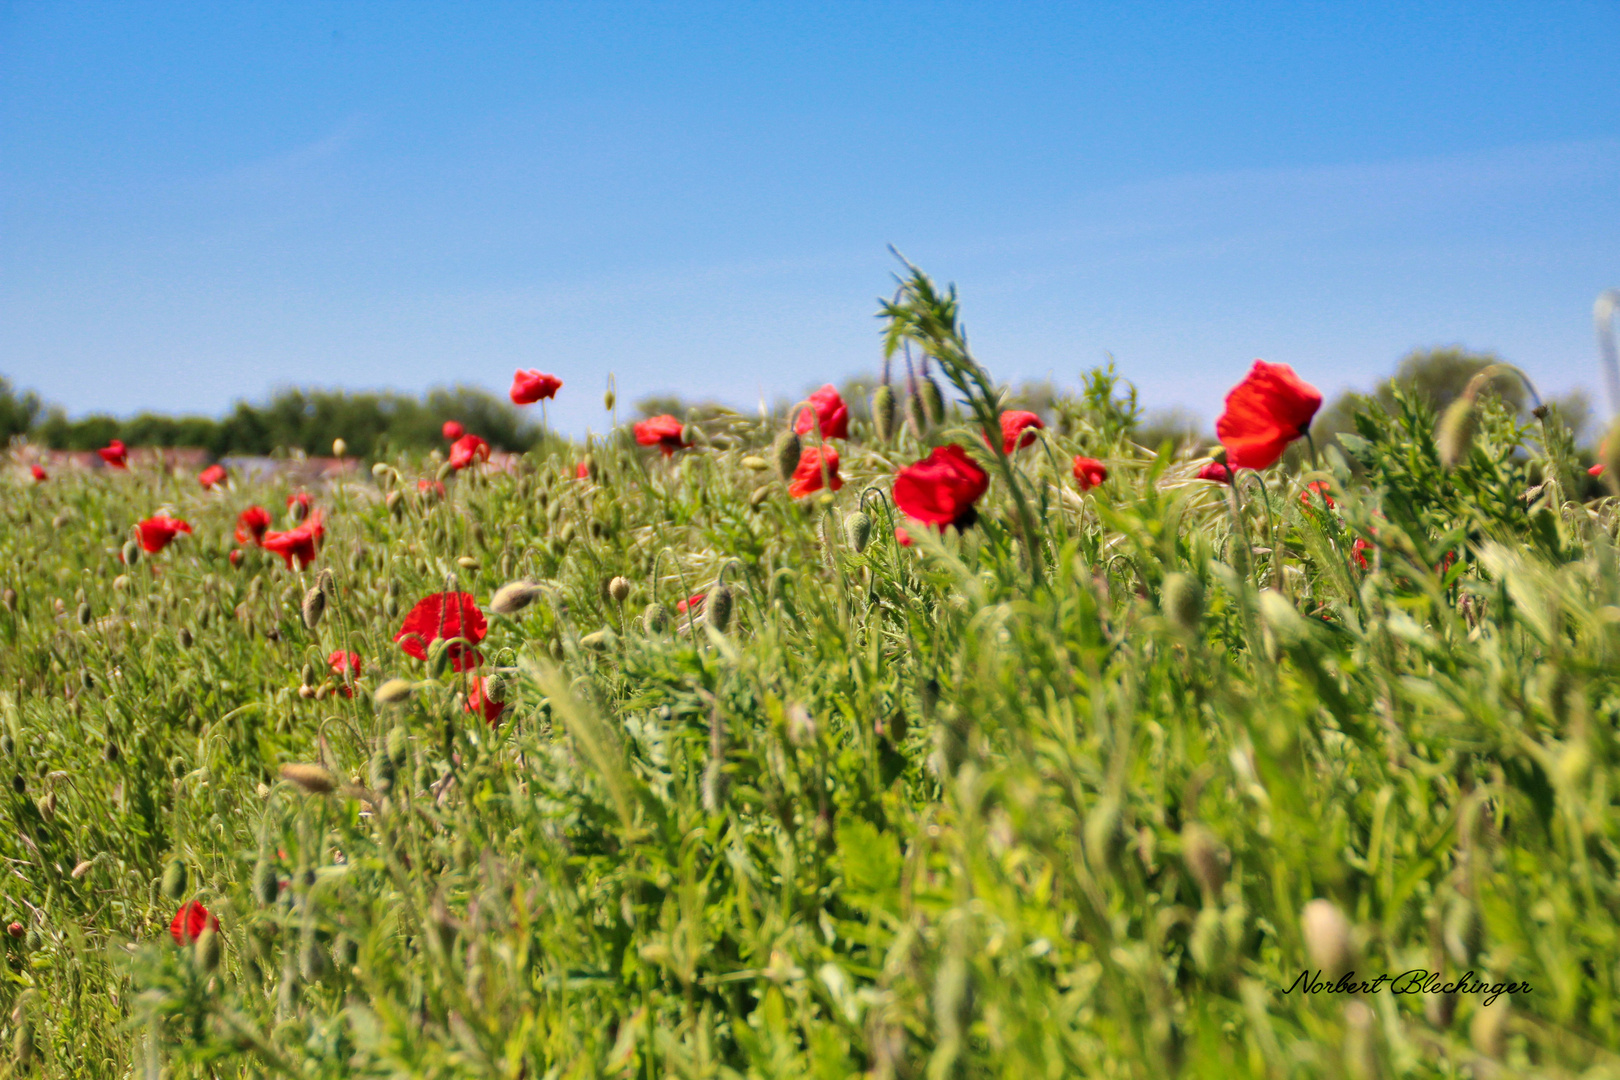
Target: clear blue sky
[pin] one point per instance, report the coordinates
(200, 202)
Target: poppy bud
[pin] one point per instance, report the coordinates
(718, 607)
(883, 410)
(609, 399)
(1182, 600)
(313, 779)
(438, 657)
(307, 675)
(311, 960)
(1609, 451)
(207, 948)
(1327, 937)
(759, 495)
(513, 597)
(306, 692)
(392, 691)
(185, 638)
(399, 745)
(345, 951)
(786, 452)
(1455, 436)
(15, 929)
(23, 1044)
(599, 641)
(858, 531)
(174, 879)
(567, 533)
(656, 618)
(131, 553)
(84, 614)
(1105, 838)
(619, 589)
(339, 448)
(9, 599)
(265, 885)
(395, 502)
(1462, 932)
(313, 607)
(1205, 857)
(380, 772)
(757, 464)
(916, 411)
(381, 470)
(298, 510)
(111, 752)
(933, 401)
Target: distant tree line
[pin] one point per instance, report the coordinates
(372, 424)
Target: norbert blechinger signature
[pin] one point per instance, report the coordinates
(1415, 981)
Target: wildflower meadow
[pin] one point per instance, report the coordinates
(959, 741)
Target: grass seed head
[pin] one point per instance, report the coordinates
(313, 779)
(1455, 435)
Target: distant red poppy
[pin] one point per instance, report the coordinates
(39, 473)
(807, 476)
(156, 532)
(214, 474)
(1216, 471)
(251, 525)
(468, 450)
(1319, 488)
(115, 454)
(664, 432)
(299, 503)
(941, 489)
(452, 431)
(479, 701)
(1089, 472)
(346, 666)
(830, 410)
(1017, 430)
(902, 537)
(1359, 549)
(1596, 470)
(297, 546)
(531, 386)
(582, 471)
(431, 487)
(444, 615)
(1265, 412)
(691, 603)
(235, 556)
(190, 921)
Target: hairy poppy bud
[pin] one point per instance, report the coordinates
(1327, 937)
(311, 960)
(174, 879)
(883, 411)
(757, 464)
(345, 951)
(1205, 857)
(438, 657)
(1182, 600)
(380, 772)
(265, 885)
(656, 618)
(22, 1045)
(395, 502)
(298, 510)
(786, 453)
(858, 531)
(339, 448)
(382, 470)
(513, 597)
(759, 495)
(609, 399)
(933, 401)
(399, 745)
(307, 676)
(84, 614)
(599, 641)
(131, 553)
(313, 607)
(1208, 941)
(1455, 436)
(1105, 837)
(185, 637)
(111, 752)
(391, 692)
(619, 589)
(1609, 451)
(313, 779)
(718, 607)
(207, 948)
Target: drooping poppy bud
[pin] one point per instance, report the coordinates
(786, 453)
(174, 879)
(392, 692)
(858, 531)
(299, 504)
(719, 607)
(483, 699)
(619, 589)
(313, 607)
(656, 618)
(883, 412)
(1182, 600)
(531, 386)
(1265, 412)
(513, 597)
(312, 779)
(933, 401)
(1327, 937)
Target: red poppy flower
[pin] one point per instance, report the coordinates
(942, 488)
(39, 473)
(1359, 549)
(1216, 471)
(156, 532)
(214, 474)
(346, 666)
(115, 454)
(807, 476)
(301, 499)
(431, 487)
(1265, 412)
(830, 410)
(1320, 488)
(1017, 430)
(190, 921)
(479, 701)
(691, 603)
(582, 471)
(297, 546)
(1596, 470)
(444, 615)
(1089, 472)
(902, 537)
(664, 432)
(531, 386)
(452, 431)
(251, 525)
(468, 450)
(235, 556)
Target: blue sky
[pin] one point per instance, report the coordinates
(199, 203)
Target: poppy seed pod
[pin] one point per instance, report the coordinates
(1327, 937)
(174, 879)
(656, 618)
(131, 553)
(1182, 601)
(313, 779)
(883, 412)
(1205, 857)
(786, 453)
(719, 607)
(619, 589)
(1455, 436)
(313, 607)
(858, 531)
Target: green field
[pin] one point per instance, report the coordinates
(1080, 789)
